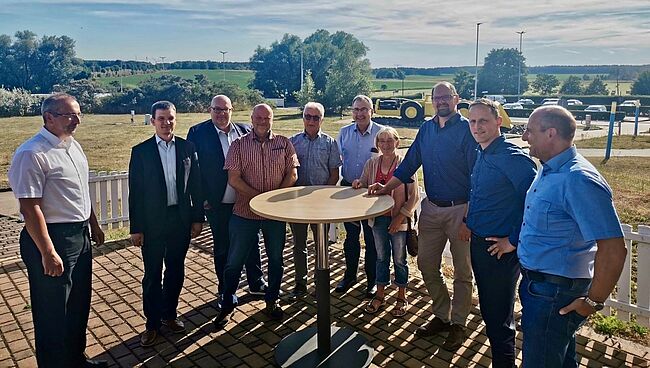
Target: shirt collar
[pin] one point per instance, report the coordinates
(54, 140)
(452, 120)
(555, 163)
(230, 131)
(318, 135)
(158, 140)
(368, 131)
(493, 146)
(254, 136)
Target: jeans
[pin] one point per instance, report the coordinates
(549, 338)
(244, 237)
(496, 280)
(219, 219)
(386, 244)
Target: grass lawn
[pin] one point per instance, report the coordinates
(618, 142)
(239, 77)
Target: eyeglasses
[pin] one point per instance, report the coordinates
(70, 116)
(218, 109)
(311, 117)
(445, 98)
(362, 109)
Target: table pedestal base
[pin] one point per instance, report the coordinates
(300, 349)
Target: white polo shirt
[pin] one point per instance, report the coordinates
(55, 170)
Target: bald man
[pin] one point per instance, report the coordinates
(212, 139)
(571, 246)
(258, 162)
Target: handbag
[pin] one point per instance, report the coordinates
(411, 232)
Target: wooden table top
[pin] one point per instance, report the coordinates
(320, 204)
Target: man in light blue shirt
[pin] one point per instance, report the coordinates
(320, 159)
(357, 143)
(571, 245)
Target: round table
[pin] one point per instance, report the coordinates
(320, 205)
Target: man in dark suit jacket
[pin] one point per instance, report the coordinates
(212, 139)
(165, 210)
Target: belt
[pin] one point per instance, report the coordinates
(448, 203)
(552, 279)
(68, 225)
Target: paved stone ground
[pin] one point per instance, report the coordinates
(116, 319)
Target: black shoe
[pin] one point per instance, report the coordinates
(175, 325)
(273, 310)
(297, 293)
(148, 338)
(455, 339)
(433, 328)
(260, 291)
(222, 318)
(89, 363)
(371, 290)
(344, 286)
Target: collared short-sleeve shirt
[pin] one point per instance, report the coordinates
(263, 166)
(56, 171)
(316, 156)
(568, 208)
(356, 149)
(502, 174)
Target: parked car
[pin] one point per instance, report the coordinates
(629, 103)
(550, 101)
(526, 101)
(498, 98)
(596, 108)
(573, 102)
(514, 106)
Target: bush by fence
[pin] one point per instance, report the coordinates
(19, 102)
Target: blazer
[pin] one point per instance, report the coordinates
(214, 177)
(148, 191)
(407, 208)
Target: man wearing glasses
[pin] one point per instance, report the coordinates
(446, 150)
(319, 158)
(212, 139)
(357, 143)
(49, 177)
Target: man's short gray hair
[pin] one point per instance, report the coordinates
(559, 118)
(446, 84)
(314, 105)
(362, 98)
(51, 103)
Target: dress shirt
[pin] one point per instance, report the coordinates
(568, 208)
(316, 156)
(502, 174)
(226, 139)
(447, 156)
(167, 151)
(56, 171)
(356, 149)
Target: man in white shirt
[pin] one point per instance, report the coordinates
(49, 177)
(165, 211)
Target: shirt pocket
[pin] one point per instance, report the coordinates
(538, 218)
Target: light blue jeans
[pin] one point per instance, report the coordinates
(386, 243)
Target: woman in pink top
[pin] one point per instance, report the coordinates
(390, 228)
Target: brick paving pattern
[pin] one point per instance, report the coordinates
(116, 318)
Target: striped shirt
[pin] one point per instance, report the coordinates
(263, 166)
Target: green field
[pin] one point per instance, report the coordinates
(239, 77)
(412, 82)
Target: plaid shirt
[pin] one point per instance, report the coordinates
(263, 166)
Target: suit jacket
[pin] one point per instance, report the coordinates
(148, 191)
(214, 177)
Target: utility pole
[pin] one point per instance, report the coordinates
(223, 63)
(302, 68)
(163, 61)
(476, 70)
(121, 73)
(521, 35)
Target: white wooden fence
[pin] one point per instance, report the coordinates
(109, 194)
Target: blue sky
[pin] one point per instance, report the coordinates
(405, 33)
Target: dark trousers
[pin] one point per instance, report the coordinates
(160, 295)
(352, 249)
(60, 305)
(219, 219)
(299, 232)
(496, 280)
(244, 235)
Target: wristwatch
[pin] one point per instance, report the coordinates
(597, 306)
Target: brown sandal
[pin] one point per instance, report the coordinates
(372, 307)
(400, 308)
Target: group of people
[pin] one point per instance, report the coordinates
(556, 227)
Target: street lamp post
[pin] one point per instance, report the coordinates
(163, 61)
(223, 63)
(476, 70)
(521, 35)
